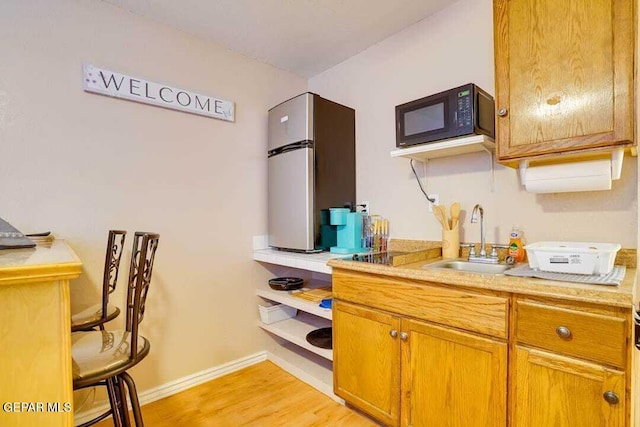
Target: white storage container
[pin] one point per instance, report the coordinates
(572, 257)
(271, 312)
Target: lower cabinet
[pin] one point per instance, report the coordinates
(366, 360)
(411, 373)
(451, 378)
(559, 391)
(419, 354)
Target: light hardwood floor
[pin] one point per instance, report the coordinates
(260, 395)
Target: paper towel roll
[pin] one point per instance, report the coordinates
(561, 178)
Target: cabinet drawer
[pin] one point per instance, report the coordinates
(576, 333)
(486, 314)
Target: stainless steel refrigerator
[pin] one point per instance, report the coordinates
(311, 168)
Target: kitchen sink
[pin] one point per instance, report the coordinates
(472, 267)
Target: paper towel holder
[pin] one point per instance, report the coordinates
(617, 156)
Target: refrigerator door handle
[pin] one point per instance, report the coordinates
(290, 147)
(636, 318)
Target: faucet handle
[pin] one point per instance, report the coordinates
(471, 246)
(495, 247)
(499, 246)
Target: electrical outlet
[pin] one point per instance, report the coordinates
(437, 201)
(366, 207)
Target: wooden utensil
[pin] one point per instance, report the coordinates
(455, 214)
(447, 224)
(441, 215)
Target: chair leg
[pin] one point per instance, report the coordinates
(113, 404)
(122, 397)
(114, 400)
(133, 395)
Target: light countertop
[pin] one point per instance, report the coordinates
(624, 295)
(52, 261)
(312, 262)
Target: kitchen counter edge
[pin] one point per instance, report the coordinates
(623, 295)
(56, 261)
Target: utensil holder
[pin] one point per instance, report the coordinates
(451, 243)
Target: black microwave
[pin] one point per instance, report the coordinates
(465, 110)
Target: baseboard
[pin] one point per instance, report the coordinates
(304, 376)
(180, 384)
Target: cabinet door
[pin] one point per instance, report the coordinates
(564, 75)
(557, 391)
(366, 360)
(452, 378)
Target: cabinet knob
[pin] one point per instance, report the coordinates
(611, 398)
(502, 112)
(404, 336)
(393, 333)
(563, 332)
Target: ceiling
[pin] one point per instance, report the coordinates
(305, 37)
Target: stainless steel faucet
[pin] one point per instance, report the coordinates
(482, 257)
(474, 219)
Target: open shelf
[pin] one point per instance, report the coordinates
(295, 330)
(285, 297)
(311, 262)
(288, 346)
(308, 367)
(446, 148)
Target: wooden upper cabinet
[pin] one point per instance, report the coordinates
(564, 76)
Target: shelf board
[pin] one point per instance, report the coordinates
(308, 367)
(446, 148)
(311, 262)
(285, 297)
(295, 330)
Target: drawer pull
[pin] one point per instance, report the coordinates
(611, 398)
(563, 332)
(393, 333)
(404, 336)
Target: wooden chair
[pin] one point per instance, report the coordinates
(99, 314)
(103, 357)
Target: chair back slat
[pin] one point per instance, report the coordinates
(115, 245)
(140, 269)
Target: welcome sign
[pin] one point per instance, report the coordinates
(119, 85)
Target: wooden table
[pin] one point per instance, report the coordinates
(35, 340)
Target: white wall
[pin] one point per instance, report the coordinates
(79, 164)
(449, 49)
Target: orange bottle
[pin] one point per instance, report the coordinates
(516, 245)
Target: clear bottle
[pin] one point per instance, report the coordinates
(516, 244)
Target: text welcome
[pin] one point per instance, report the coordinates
(118, 85)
